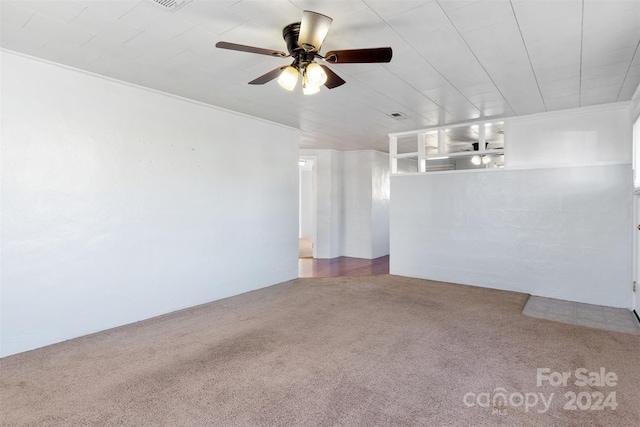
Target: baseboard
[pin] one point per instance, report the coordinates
(637, 317)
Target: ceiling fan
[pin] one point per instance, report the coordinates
(304, 40)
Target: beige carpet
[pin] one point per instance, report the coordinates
(381, 350)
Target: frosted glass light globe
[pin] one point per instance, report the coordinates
(309, 89)
(315, 74)
(288, 78)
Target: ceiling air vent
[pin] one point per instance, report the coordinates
(397, 116)
(170, 5)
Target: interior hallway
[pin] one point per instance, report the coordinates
(342, 266)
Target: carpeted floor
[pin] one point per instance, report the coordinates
(382, 350)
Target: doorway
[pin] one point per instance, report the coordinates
(307, 208)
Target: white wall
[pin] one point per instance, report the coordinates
(559, 232)
(357, 192)
(120, 203)
(306, 202)
(635, 104)
(380, 198)
(328, 237)
(582, 136)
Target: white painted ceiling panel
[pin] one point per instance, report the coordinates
(450, 5)
(552, 29)
(600, 95)
(261, 13)
(599, 42)
(197, 40)
(151, 18)
(527, 106)
(453, 60)
(363, 29)
(215, 17)
(480, 89)
(495, 108)
(334, 9)
(113, 9)
(413, 24)
(102, 45)
(111, 28)
(15, 15)
(478, 15)
(610, 57)
(634, 67)
(562, 104)
(599, 82)
(629, 87)
(605, 70)
(58, 10)
(388, 9)
(152, 45)
(77, 58)
(553, 73)
(21, 40)
(57, 30)
(530, 11)
(605, 15)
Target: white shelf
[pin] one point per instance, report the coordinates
(461, 135)
(406, 155)
(464, 154)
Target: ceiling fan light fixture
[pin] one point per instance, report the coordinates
(313, 29)
(476, 160)
(288, 78)
(315, 74)
(309, 89)
(304, 40)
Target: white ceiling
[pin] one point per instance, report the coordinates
(453, 60)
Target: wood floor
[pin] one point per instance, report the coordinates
(342, 266)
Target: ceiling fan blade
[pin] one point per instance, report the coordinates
(268, 77)
(378, 54)
(333, 80)
(250, 49)
(313, 29)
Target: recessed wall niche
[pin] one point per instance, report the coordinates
(477, 145)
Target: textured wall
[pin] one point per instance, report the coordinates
(574, 137)
(328, 234)
(119, 204)
(380, 200)
(557, 225)
(306, 203)
(357, 202)
(560, 233)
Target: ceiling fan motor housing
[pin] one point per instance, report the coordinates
(290, 34)
(301, 56)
